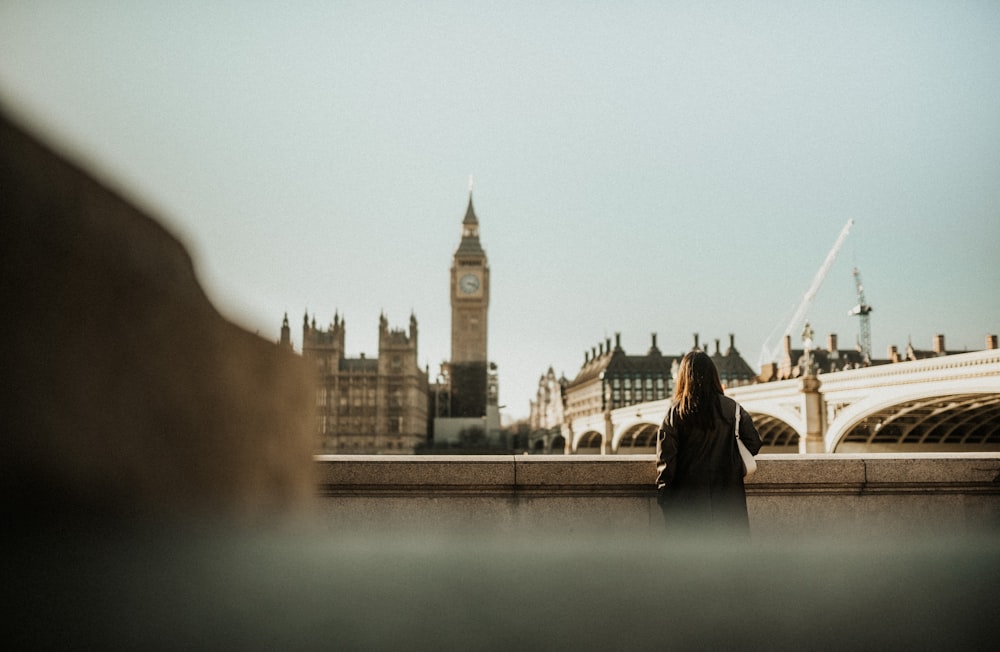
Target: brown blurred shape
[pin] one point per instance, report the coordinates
(126, 393)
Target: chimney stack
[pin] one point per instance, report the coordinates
(939, 344)
(991, 342)
(831, 342)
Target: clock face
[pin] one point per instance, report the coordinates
(468, 283)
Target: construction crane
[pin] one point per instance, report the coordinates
(862, 310)
(770, 350)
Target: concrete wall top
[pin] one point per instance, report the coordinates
(852, 473)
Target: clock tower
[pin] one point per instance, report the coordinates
(470, 295)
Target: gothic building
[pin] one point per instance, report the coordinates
(470, 294)
(610, 379)
(386, 404)
(549, 403)
(366, 405)
(546, 421)
(465, 395)
(733, 369)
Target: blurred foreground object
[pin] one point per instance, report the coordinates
(127, 394)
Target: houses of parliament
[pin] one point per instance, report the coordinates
(388, 404)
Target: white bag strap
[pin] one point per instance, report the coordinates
(737, 429)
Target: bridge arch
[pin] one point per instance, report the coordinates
(635, 433)
(588, 441)
(959, 413)
(780, 427)
(780, 430)
(558, 444)
(776, 434)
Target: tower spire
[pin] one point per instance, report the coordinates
(470, 245)
(470, 214)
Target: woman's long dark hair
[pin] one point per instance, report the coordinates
(696, 394)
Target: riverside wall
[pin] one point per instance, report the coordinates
(907, 495)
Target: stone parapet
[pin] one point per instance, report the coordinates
(801, 495)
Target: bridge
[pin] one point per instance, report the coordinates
(942, 404)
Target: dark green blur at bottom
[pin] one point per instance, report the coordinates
(302, 589)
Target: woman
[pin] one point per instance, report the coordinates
(699, 470)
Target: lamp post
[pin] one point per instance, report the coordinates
(813, 411)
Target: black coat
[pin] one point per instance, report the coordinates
(699, 472)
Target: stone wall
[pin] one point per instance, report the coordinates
(789, 496)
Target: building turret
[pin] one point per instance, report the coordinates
(413, 331)
(286, 334)
(653, 349)
(330, 341)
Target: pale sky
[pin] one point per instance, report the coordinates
(639, 167)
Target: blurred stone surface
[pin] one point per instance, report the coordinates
(518, 591)
(126, 393)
